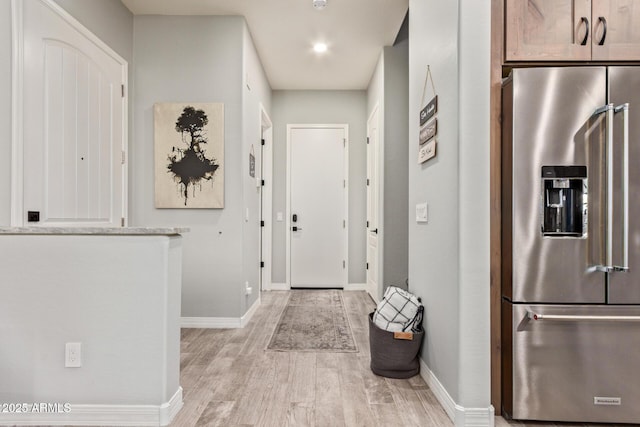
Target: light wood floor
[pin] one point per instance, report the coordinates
(229, 379)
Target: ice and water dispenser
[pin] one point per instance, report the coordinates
(564, 201)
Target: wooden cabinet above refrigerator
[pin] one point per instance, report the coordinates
(572, 30)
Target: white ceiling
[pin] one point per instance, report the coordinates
(284, 32)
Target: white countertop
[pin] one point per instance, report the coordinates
(100, 231)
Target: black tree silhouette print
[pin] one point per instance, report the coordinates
(191, 166)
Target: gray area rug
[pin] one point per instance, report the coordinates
(314, 320)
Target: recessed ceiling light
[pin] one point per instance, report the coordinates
(319, 4)
(320, 47)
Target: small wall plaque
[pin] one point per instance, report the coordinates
(252, 163)
(428, 131)
(427, 151)
(427, 112)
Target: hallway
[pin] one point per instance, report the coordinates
(229, 379)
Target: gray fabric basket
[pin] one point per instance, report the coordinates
(393, 358)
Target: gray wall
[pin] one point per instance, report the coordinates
(308, 107)
(255, 91)
(110, 20)
(194, 59)
(388, 90)
(449, 256)
(434, 247)
(396, 185)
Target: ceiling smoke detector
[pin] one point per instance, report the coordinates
(319, 4)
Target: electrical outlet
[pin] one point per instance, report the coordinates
(248, 291)
(73, 355)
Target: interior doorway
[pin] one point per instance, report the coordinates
(373, 235)
(317, 204)
(266, 191)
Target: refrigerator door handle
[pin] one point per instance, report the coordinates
(609, 110)
(624, 108)
(579, 318)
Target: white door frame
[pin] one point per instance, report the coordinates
(376, 294)
(266, 214)
(17, 105)
(345, 128)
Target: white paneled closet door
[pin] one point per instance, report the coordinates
(74, 123)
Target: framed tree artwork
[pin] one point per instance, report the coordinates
(189, 155)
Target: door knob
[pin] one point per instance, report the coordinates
(294, 218)
(294, 228)
(375, 231)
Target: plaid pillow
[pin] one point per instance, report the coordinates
(397, 310)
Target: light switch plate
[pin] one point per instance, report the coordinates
(422, 213)
(73, 355)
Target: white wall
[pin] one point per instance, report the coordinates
(308, 107)
(119, 296)
(449, 256)
(375, 92)
(474, 66)
(5, 112)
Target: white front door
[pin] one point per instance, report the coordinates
(74, 123)
(318, 206)
(372, 207)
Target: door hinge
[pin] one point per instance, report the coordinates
(344, 264)
(344, 224)
(124, 157)
(367, 266)
(367, 181)
(262, 182)
(344, 183)
(367, 140)
(122, 90)
(344, 142)
(261, 223)
(262, 141)
(261, 264)
(367, 224)
(122, 222)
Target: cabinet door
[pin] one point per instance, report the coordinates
(621, 20)
(548, 30)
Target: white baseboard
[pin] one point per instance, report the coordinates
(220, 322)
(356, 287)
(101, 415)
(279, 287)
(211, 322)
(169, 410)
(461, 416)
(475, 417)
(249, 314)
(438, 390)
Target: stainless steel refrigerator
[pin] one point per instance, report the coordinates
(571, 244)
